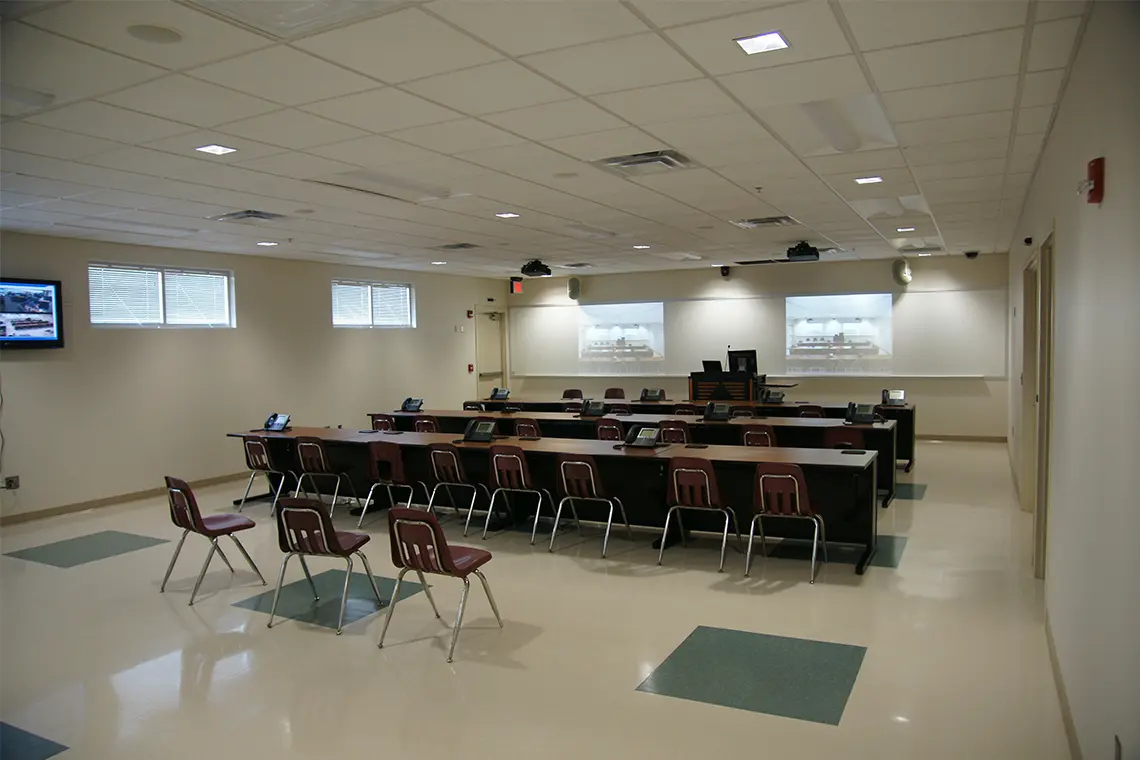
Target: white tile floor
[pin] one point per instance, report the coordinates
(956, 665)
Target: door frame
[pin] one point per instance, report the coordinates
(1045, 331)
(499, 318)
(1027, 455)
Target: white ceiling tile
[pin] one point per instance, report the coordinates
(79, 208)
(296, 165)
(896, 183)
(956, 99)
(47, 188)
(65, 70)
(799, 83)
(1036, 119)
(561, 119)
(614, 142)
(374, 151)
(383, 110)
(291, 129)
(1053, 9)
(1052, 44)
(1023, 162)
(528, 161)
(839, 125)
(44, 141)
(949, 153)
(858, 161)
(14, 200)
(669, 102)
(809, 28)
(624, 64)
(956, 60)
(285, 76)
(522, 28)
(106, 24)
(100, 120)
(186, 144)
(1028, 145)
(684, 134)
(936, 189)
(980, 168)
(457, 136)
(400, 46)
(190, 101)
(665, 13)
(891, 24)
(146, 161)
(955, 128)
(1041, 88)
(499, 86)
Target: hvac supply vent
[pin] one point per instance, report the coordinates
(642, 164)
(458, 247)
(579, 265)
(765, 221)
(249, 215)
(921, 249)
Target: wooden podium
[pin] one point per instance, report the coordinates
(722, 386)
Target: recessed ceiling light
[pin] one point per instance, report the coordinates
(508, 215)
(762, 43)
(641, 247)
(217, 150)
(904, 229)
(439, 263)
(867, 180)
(926, 254)
(267, 243)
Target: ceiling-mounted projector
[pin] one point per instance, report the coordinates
(802, 251)
(535, 268)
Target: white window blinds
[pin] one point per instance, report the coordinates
(125, 295)
(156, 296)
(373, 304)
(197, 298)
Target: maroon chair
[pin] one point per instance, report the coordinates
(304, 530)
(386, 470)
(572, 408)
(578, 481)
(686, 409)
(509, 474)
(608, 430)
(383, 422)
(675, 431)
(425, 423)
(615, 392)
(781, 491)
(418, 543)
(756, 434)
(811, 410)
(526, 427)
(447, 471)
(313, 460)
(843, 438)
(743, 411)
(185, 514)
(619, 409)
(259, 459)
(691, 484)
(572, 393)
(473, 406)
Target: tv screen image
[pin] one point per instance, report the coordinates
(30, 314)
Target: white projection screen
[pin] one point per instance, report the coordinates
(924, 333)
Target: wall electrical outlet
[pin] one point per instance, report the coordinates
(12, 482)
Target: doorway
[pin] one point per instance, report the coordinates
(1043, 407)
(1027, 480)
(489, 351)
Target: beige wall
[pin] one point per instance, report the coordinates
(118, 408)
(1093, 564)
(946, 406)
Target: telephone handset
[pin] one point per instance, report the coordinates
(860, 414)
(500, 394)
(642, 437)
(277, 422)
(717, 412)
(479, 431)
(592, 408)
(412, 404)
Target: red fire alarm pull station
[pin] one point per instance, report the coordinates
(470, 368)
(1095, 181)
(470, 313)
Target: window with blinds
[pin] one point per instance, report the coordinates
(373, 304)
(137, 296)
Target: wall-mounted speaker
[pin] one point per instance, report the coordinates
(900, 269)
(573, 288)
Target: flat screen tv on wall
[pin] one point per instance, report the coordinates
(31, 314)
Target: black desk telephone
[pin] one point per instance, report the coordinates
(642, 437)
(592, 408)
(652, 394)
(412, 404)
(717, 412)
(894, 398)
(500, 394)
(479, 431)
(277, 422)
(860, 414)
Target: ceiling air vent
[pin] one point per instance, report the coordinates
(765, 221)
(458, 247)
(579, 265)
(641, 164)
(921, 249)
(247, 216)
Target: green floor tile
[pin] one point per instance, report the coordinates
(79, 551)
(912, 491)
(18, 744)
(297, 598)
(792, 678)
(888, 551)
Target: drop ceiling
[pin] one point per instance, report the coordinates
(456, 111)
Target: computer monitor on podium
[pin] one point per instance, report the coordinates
(743, 361)
(712, 366)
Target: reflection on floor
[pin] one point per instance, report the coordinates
(937, 653)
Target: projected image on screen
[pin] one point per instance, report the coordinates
(848, 334)
(621, 337)
(27, 312)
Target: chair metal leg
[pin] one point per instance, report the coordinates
(248, 485)
(624, 517)
(248, 559)
(202, 573)
(344, 595)
(606, 535)
(391, 608)
(664, 533)
(736, 527)
(336, 493)
(471, 510)
(723, 542)
(748, 551)
(490, 596)
(301, 484)
(537, 514)
(170, 567)
(276, 493)
(427, 591)
(490, 511)
(371, 579)
(681, 525)
(367, 501)
(277, 593)
(458, 619)
(814, 546)
(822, 536)
(431, 498)
(557, 517)
(309, 577)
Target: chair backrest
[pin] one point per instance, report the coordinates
(574, 407)
(183, 506)
(472, 406)
(619, 409)
(692, 483)
(572, 393)
(425, 423)
(418, 541)
(578, 477)
(674, 431)
(843, 438)
(609, 430)
(686, 409)
(781, 490)
(743, 411)
(526, 427)
(508, 468)
(811, 410)
(383, 422)
(257, 456)
(386, 462)
(615, 392)
(304, 525)
(311, 455)
(759, 435)
(446, 465)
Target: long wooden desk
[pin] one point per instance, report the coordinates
(904, 415)
(842, 486)
(790, 431)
